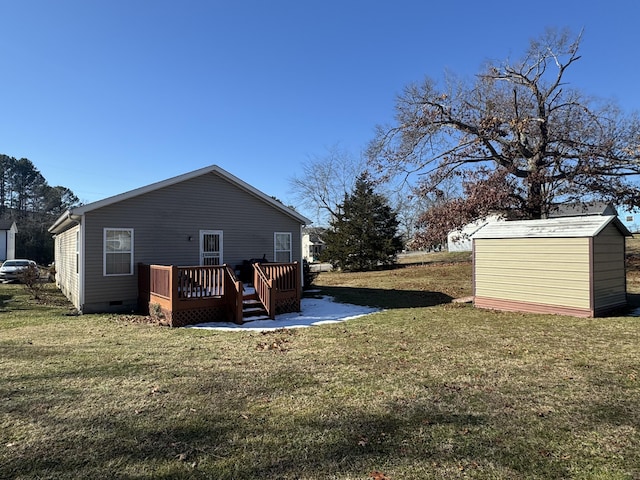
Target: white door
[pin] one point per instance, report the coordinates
(210, 247)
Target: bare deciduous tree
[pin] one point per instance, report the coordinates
(325, 181)
(521, 124)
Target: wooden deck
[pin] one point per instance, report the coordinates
(179, 296)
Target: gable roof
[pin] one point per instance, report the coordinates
(71, 215)
(472, 227)
(579, 209)
(315, 234)
(7, 224)
(561, 227)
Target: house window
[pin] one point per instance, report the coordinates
(282, 251)
(118, 251)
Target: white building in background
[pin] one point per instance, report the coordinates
(460, 240)
(631, 220)
(8, 232)
(312, 243)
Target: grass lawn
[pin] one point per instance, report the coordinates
(425, 389)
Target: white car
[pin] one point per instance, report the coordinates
(11, 269)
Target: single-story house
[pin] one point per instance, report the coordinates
(631, 219)
(578, 209)
(567, 265)
(460, 240)
(312, 243)
(8, 230)
(207, 218)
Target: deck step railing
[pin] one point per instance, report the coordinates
(278, 286)
(197, 294)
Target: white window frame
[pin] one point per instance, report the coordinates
(105, 252)
(275, 246)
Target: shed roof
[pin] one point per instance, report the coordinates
(564, 227)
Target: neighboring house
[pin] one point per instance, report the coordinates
(8, 230)
(460, 240)
(567, 265)
(312, 244)
(631, 219)
(582, 209)
(205, 217)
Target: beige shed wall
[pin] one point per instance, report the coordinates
(546, 271)
(164, 219)
(65, 257)
(609, 269)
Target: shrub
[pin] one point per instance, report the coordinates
(30, 278)
(308, 276)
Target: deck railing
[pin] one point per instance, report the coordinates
(204, 281)
(197, 294)
(186, 295)
(277, 286)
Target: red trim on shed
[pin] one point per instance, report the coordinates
(528, 307)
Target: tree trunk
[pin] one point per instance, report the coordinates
(535, 208)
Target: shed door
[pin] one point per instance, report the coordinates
(210, 247)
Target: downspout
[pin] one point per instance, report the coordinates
(81, 282)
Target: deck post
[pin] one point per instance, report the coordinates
(298, 276)
(144, 293)
(233, 293)
(173, 283)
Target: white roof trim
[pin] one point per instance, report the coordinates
(79, 211)
(562, 227)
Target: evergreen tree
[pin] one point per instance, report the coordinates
(363, 234)
(27, 198)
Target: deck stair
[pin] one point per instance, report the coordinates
(252, 307)
(188, 295)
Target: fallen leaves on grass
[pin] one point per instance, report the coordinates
(280, 343)
(376, 475)
(132, 318)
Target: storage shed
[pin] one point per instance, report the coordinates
(570, 265)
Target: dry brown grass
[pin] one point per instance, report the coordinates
(422, 390)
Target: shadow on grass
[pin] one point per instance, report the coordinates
(633, 300)
(209, 430)
(4, 299)
(376, 297)
(347, 443)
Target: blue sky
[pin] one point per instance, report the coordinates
(106, 96)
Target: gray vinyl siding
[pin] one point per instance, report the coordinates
(608, 269)
(164, 219)
(65, 257)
